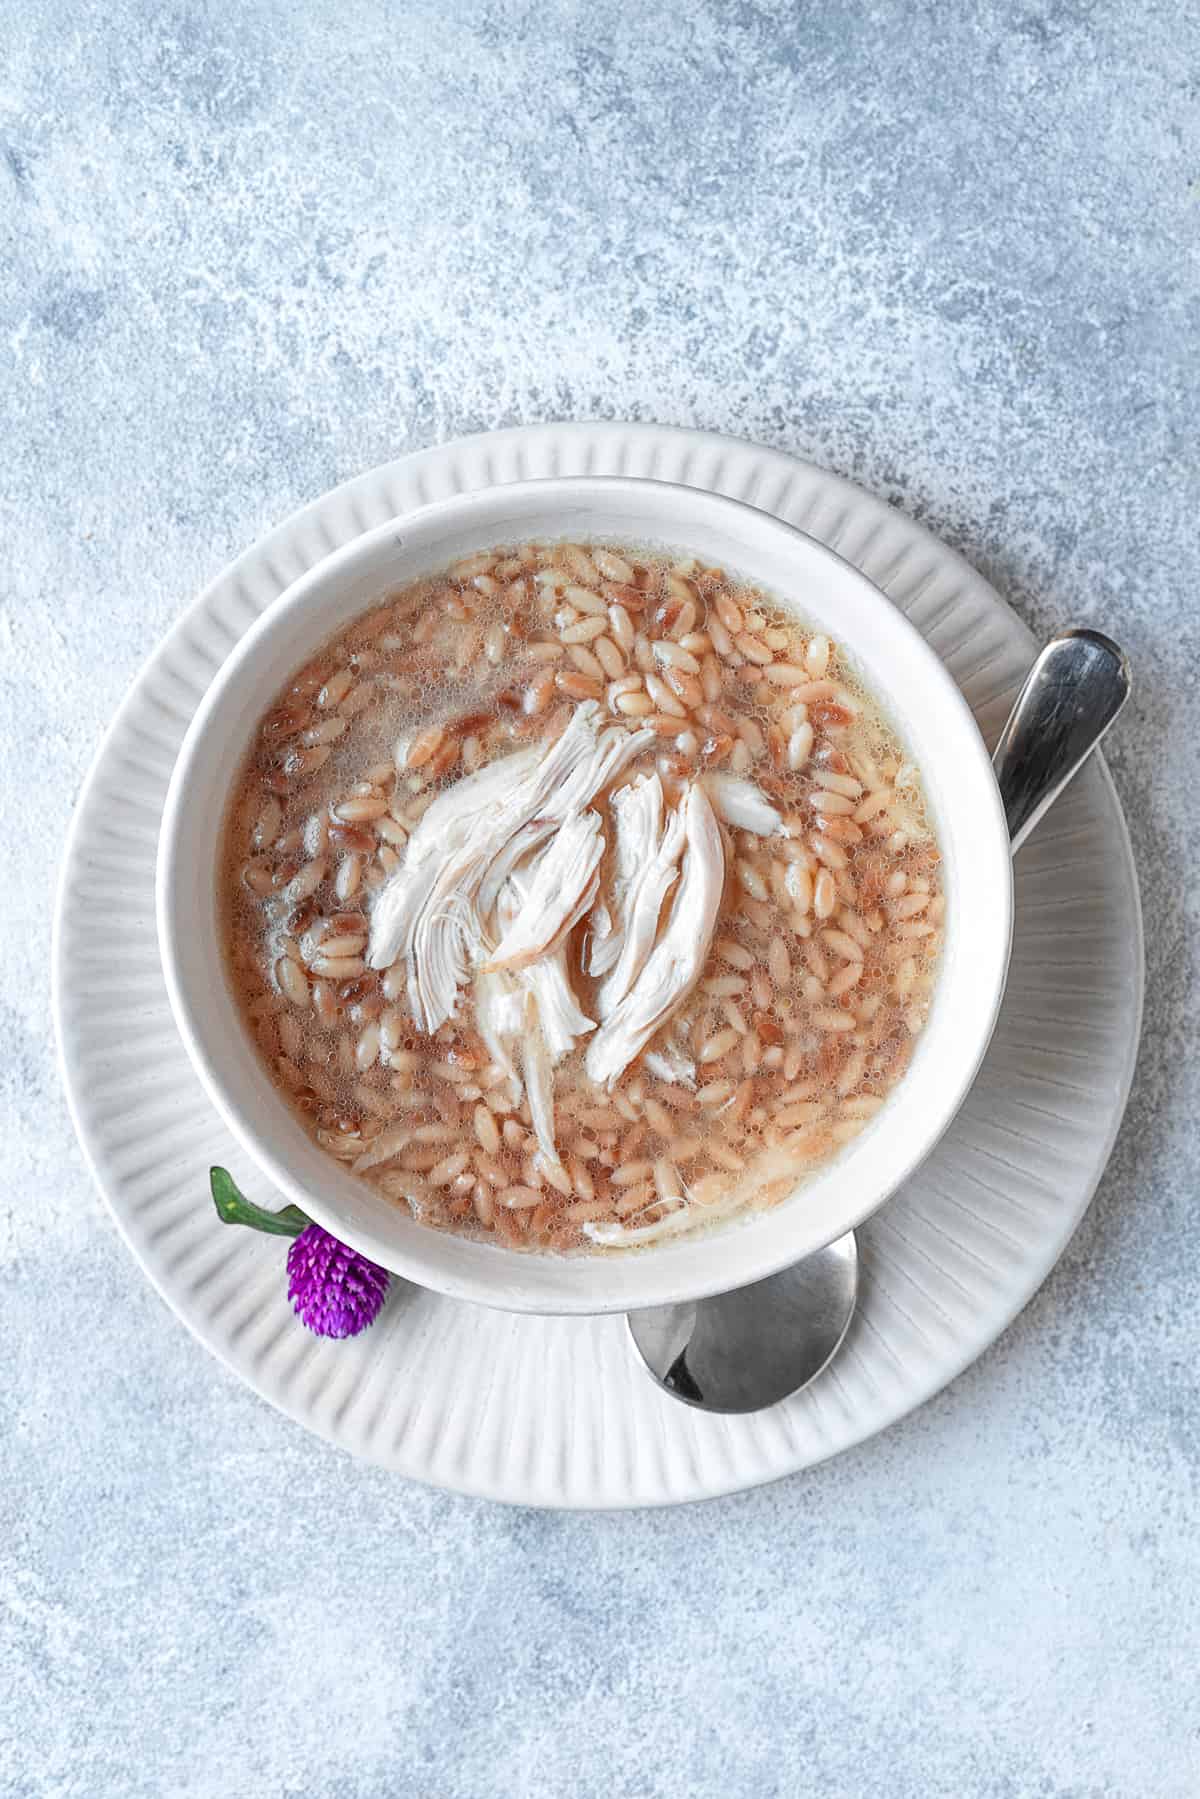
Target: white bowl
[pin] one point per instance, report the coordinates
(899, 669)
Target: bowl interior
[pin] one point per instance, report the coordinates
(913, 690)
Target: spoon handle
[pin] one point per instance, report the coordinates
(1071, 696)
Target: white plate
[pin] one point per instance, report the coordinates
(556, 1411)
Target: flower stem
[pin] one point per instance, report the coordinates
(234, 1208)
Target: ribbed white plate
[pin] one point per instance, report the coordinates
(553, 1411)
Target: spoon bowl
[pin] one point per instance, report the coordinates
(795, 1320)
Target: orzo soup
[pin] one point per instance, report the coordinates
(580, 896)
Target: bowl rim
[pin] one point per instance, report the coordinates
(494, 1288)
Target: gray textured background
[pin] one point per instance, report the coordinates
(247, 250)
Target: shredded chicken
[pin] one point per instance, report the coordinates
(429, 911)
(511, 1006)
(643, 902)
(564, 881)
(667, 1064)
(539, 1082)
(499, 1002)
(562, 1019)
(532, 1014)
(445, 828)
(627, 1236)
(501, 869)
(517, 851)
(674, 966)
(499, 1017)
(636, 812)
(740, 803)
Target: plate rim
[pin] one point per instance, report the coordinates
(285, 533)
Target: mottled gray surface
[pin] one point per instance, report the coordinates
(247, 250)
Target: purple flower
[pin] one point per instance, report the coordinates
(333, 1290)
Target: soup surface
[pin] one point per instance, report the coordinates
(580, 896)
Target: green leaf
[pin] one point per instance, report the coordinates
(234, 1208)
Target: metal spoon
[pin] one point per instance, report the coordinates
(742, 1351)
(1071, 696)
